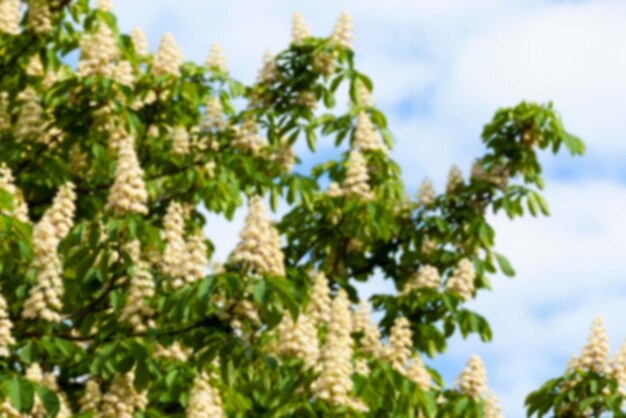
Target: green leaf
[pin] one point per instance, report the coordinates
(49, 399)
(504, 264)
(21, 393)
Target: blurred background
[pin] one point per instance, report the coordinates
(440, 70)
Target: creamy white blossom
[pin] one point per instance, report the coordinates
(98, 51)
(140, 42)
(364, 95)
(269, 71)
(39, 17)
(137, 310)
(92, 396)
(462, 279)
(619, 369)
(595, 354)
(320, 300)
(472, 381)
(334, 383)
(175, 352)
(20, 208)
(455, 179)
(342, 34)
(122, 400)
(284, 156)
(416, 371)
(10, 16)
(31, 123)
(34, 68)
(204, 399)
(45, 299)
(217, 59)
(259, 249)
(334, 190)
(5, 115)
(6, 326)
(180, 141)
(213, 114)
(300, 30)
(398, 348)
(356, 182)
(123, 73)
(128, 193)
(426, 193)
(365, 136)
(299, 339)
(247, 137)
(427, 277)
(168, 57)
(104, 5)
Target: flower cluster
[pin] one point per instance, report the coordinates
(398, 348)
(595, 355)
(98, 51)
(284, 156)
(342, 34)
(472, 381)
(362, 322)
(247, 137)
(334, 383)
(427, 277)
(175, 352)
(213, 118)
(122, 400)
(128, 193)
(34, 68)
(268, 72)
(356, 182)
(365, 136)
(462, 279)
(364, 95)
(45, 298)
(426, 193)
(416, 371)
(319, 300)
(497, 175)
(180, 141)
(299, 339)
(5, 116)
(104, 5)
(619, 369)
(204, 399)
(455, 179)
(168, 57)
(259, 250)
(20, 208)
(141, 288)
(6, 339)
(139, 41)
(217, 59)
(31, 123)
(35, 374)
(10, 16)
(92, 396)
(39, 17)
(300, 30)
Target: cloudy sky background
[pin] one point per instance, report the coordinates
(441, 68)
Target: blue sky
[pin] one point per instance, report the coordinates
(441, 68)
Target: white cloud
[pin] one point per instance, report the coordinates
(571, 54)
(570, 269)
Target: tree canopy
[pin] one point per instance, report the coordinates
(113, 157)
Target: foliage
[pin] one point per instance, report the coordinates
(209, 143)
